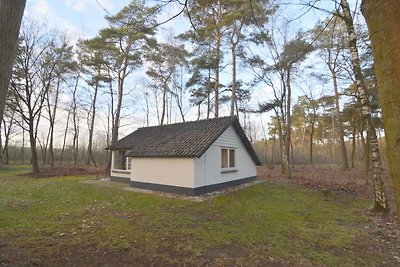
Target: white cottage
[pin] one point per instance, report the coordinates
(190, 158)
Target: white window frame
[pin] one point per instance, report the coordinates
(128, 164)
(118, 161)
(229, 151)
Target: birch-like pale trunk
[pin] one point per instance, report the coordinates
(381, 202)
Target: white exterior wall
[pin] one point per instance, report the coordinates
(166, 171)
(208, 167)
(118, 173)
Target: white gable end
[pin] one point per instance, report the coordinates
(208, 170)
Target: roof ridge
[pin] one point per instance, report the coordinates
(185, 122)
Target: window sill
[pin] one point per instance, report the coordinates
(229, 170)
(120, 171)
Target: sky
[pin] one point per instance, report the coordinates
(83, 19)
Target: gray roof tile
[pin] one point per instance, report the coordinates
(188, 139)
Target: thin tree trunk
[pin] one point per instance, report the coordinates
(345, 163)
(383, 20)
(75, 120)
(272, 155)
(32, 141)
(110, 125)
(333, 139)
(121, 79)
(217, 66)
(7, 135)
(233, 97)
(288, 127)
(208, 95)
(376, 164)
(353, 146)
(312, 143)
(65, 137)
(90, 157)
(52, 117)
(23, 146)
(164, 105)
(282, 153)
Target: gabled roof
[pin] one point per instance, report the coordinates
(187, 139)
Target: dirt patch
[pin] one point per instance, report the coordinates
(68, 171)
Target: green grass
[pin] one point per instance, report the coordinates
(45, 218)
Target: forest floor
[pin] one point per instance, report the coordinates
(334, 181)
(321, 217)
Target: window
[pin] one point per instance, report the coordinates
(224, 158)
(128, 163)
(228, 158)
(121, 162)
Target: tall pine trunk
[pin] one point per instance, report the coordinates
(217, 69)
(233, 97)
(376, 163)
(90, 157)
(383, 20)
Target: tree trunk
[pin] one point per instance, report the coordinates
(52, 117)
(272, 162)
(288, 127)
(353, 146)
(217, 66)
(23, 146)
(11, 12)
(345, 163)
(312, 142)
(383, 20)
(90, 157)
(121, 79)
(75, 120)
(32, 141)
(209, 89)
(65, 137)
(376, 164)
(233, 97)
(164, 104)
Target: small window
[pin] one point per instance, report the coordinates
(121, 162)
(231, 158)
(228, 158)
(128, 163)
(224, 158)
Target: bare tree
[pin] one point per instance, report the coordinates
(34, 61)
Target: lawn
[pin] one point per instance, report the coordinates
(64, 221)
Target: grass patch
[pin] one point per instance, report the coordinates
(63, 221)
